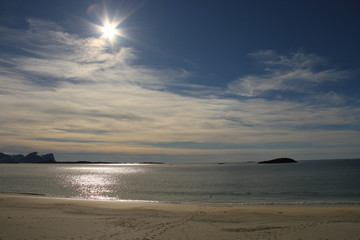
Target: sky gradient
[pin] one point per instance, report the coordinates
(183, 81)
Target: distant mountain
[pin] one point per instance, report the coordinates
(278, 160)
(30, 158)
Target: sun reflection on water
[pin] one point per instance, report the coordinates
(98, 182)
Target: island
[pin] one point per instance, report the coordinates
(278, 160)
(33, 157)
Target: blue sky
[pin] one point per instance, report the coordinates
(182, 81)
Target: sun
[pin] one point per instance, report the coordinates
(109, 30)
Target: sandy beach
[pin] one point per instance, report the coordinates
(30, 217)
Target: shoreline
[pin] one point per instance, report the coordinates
(274, 203)
(38, 217)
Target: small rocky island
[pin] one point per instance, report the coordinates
(278, 160)
(30, 158)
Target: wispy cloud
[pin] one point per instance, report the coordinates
(296, 72)
(66, 93)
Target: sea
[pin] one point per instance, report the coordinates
(304, 182)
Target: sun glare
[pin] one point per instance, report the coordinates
(109, 31)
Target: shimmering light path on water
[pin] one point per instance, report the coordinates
(303, 182)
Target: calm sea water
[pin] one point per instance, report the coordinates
(332, 181)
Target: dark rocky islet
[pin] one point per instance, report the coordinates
(278, 160)
(33, 157)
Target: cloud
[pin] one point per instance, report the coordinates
(54, 56)
(69, 87)
(298, 72)
(71, 94)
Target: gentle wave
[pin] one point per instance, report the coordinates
(280, 203)
(304, 183)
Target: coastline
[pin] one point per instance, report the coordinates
(245, 203)
(39, 217)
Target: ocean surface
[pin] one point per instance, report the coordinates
(305, 182)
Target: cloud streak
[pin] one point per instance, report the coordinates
(71, 94)
(299, 72)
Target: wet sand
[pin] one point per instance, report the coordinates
(30, 217)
